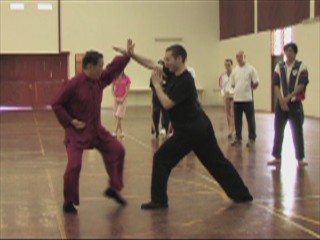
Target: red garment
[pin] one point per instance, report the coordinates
(112, 153)
(81, 99)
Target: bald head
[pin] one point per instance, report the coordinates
(241, 58)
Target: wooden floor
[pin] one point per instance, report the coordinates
(33, 160)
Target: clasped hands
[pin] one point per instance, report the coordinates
(157, 77)
(284, 103)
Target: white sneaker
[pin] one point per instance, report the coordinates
(162, 132)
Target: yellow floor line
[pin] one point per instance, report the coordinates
(190, 223)
(306, 219)
(38, 134)
(57, 215)
(275, 212)
(285, 218)
(137, 141)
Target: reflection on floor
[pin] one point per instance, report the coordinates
(33, 160)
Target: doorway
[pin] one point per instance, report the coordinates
(274, 61)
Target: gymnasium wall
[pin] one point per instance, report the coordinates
(258, 50)
(307, 36)
(29, 30)
(151, 25)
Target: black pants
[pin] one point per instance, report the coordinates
(295, 116)
(204, 144)
(248, 109)
(156, 110)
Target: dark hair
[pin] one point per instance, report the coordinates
(178, 50)
(160, 61)
(91, 57)
(291, 45)
(229, 60)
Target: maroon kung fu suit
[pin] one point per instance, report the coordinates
(81, 99)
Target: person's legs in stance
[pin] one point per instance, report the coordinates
(211, 156)
(165, 120)
(113, 154)
(296, 118)
(250, 116)
(71, 178)
(120, 109)
(164, 160)
(156, 117)
(280, 121)
(119, 126)
(238, 111)
(229, 113)
(115, 115)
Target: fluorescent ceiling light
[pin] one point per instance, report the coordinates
(45, 6)
(17, 6)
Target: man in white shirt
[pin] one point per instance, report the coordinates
(227, 94)
(244, 79)
(290, 79)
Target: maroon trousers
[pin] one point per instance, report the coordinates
(112, 152)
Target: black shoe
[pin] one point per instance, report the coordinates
(69, 208)
(116, 196)
(153, 206)
(245, 199)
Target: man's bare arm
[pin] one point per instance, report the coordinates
(146, 62)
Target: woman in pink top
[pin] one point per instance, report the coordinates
(120, 89)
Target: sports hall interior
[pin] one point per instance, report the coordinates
(41, 46)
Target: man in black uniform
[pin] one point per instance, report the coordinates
(192, 131)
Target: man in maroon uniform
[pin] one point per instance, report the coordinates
(77, 107)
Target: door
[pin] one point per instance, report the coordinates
(51, 75)
(15, 81)
(274, 61)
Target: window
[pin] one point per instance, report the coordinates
(280, 37)
(45, 6)
(17, 6)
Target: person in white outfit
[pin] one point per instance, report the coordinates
(244, 79)
(227, 94)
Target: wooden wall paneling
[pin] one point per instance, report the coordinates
(274, 14)
(236, 18)
(317, 8)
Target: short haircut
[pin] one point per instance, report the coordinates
(229, 60)
(91, 57)
(178, 50)
(291, 45)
